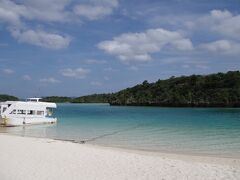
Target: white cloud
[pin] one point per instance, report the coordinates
(8, 71)
(76, 73)
(44, 10)
(49, 80)
(47, 10)
(27, 78)
(19, 15)
(41, 38)
(139, 46)
(220, 15)
(96, 9)
(96, 83)
(226, 23)
(11, 12)
(223, 47)
(15, 13)
(222, 22)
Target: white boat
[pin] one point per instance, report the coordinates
(31, 111)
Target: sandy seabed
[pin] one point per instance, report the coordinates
(25, 158)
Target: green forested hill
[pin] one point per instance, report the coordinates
(57, 99)
(214, 90)
(5, 97)
(222, 89)
(95, 98)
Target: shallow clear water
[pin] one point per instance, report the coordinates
(209, 131)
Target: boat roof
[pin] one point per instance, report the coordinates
(33, 99)
(31, 104)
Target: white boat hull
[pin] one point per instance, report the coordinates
(19, 121)
(17, 113)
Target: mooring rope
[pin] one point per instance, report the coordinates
(110, 134)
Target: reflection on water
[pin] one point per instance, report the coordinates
(28, 130)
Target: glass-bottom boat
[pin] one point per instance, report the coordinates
(31, 111)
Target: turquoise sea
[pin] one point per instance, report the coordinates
(201, 131)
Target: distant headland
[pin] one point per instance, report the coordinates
(214, 90)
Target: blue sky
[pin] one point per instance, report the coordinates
(74, 48)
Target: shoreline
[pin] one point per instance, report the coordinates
(36, 158)
(158, 106)
(173, 155)
(134, 150)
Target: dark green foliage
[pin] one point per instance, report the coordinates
(57, 99)
(4, 97)
(95, 98)
(215, 90)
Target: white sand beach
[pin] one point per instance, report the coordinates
(25, 158)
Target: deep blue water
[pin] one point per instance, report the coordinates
(210, 131)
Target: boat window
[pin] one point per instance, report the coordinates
(40, 112)
(21, 112)
(32, 100)
(49, 111)
(30, 112)
(13, 111)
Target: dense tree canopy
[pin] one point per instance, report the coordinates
(5, 97)
(57, 99)
(214, 90)
(196, 90)
(95, 98)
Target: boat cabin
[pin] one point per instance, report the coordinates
(26, 112)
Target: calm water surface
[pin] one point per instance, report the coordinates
(209, 131)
